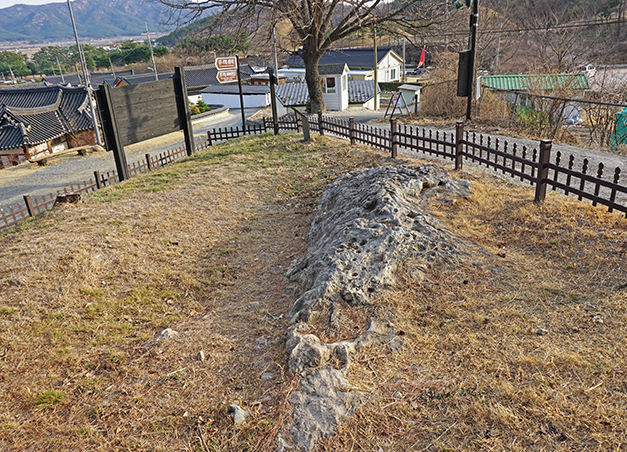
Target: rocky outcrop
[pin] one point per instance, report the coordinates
(368, 222)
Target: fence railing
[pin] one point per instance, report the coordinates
(534, 166)
(31, 206)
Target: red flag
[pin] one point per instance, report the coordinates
(422, 57)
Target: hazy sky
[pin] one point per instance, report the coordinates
(7, 3)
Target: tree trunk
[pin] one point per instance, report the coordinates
(312, 78)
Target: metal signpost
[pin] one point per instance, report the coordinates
(228, 72)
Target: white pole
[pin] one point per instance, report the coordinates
(60, 71)
(276, 65)
(152, 55)
(90, 90)
(403, 60)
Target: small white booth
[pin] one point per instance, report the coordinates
(334, 82)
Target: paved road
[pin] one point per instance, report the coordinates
(63, 171)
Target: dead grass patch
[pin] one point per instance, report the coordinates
(476, 371)
(200, 247)
(85, 289)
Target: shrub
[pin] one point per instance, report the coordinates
(202, 106)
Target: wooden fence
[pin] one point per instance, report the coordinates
(32, 206)
(535, 166)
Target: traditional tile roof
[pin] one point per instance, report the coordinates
(354, 58)
(360, 91)
(32, 116)
(141, 78)
(294, 94)
(545, 82)
(198, 77)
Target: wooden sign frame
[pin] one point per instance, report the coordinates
(135, 113)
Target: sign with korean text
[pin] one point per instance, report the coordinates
(227, 76)
(226, 63)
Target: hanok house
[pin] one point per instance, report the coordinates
(41, 122)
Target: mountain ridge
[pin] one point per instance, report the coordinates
(39, 23)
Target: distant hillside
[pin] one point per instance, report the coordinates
(93, 20)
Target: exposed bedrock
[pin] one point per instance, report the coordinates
(368, 222)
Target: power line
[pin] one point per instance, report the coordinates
(542, 28)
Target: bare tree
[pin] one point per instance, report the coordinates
(317, 24)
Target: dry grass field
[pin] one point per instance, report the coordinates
(520, 347)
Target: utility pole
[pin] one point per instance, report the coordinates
(403, 60)
(152, 55)
(471, 63)
(376, 67)
(60, 71)
(90, 90)
(276, 65)
(111, 66)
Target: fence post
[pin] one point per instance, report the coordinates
(351, 130)
(306, 135)
(298, 124)
(393, 138)
(210, 143)
(320, 128)
(459, 134)
(98, 180)
(543, 170)
(148, 162)
(182, 105)
(29, 205)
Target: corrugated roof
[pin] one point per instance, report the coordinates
(33, 116)
(296, 94)
(547, 82)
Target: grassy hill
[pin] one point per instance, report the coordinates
(519, 347)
